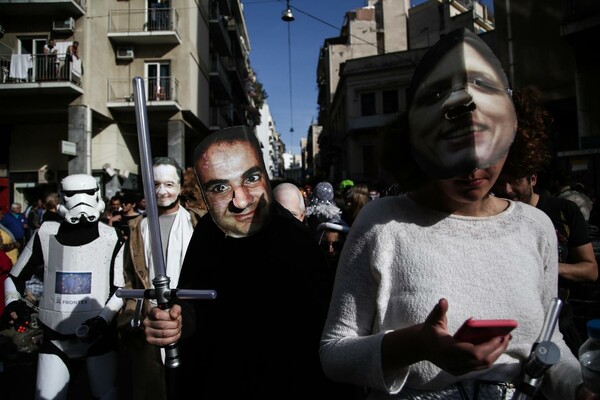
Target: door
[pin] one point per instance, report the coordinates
(159, 15)
(158, 77)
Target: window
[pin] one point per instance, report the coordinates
(31, 45)
(390, 101)
(158, 79)
(367, 104)
(159, 15)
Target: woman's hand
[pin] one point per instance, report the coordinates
(453, 356)
(431, 341)
(163, 327)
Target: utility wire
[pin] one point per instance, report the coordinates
(379, 48)
(291, 95)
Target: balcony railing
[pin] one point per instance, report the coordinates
(42, 7)
(152, 19)
(27, 68)
(157, 89)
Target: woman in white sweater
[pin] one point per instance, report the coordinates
(416, 266)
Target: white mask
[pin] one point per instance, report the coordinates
(80, 197)
(167, 185)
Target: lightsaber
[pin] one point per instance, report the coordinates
(162, 292)
(544, 354)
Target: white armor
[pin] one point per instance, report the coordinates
(76, 284)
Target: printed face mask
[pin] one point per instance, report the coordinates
(234, 183)
(166, 185)
(461, 116)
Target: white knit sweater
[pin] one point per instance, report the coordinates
(400, 259)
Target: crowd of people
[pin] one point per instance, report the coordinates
(339, 290)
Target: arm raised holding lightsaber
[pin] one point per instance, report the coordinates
(162, 292)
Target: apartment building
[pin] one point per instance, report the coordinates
(310, 152)
(59, 117)
(270, 141)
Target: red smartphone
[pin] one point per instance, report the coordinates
(477, 331)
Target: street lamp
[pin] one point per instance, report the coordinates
(287, 15)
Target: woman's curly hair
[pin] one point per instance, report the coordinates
(529, 152)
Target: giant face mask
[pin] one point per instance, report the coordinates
(233, 180)
(461, 115)
(166, 185)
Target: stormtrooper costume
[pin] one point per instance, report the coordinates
(80, 262)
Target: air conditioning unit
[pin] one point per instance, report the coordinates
(125, 53)
(67, 25)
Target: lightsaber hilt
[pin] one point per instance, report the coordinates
(161, 287)
(169, 295)
(544, 354)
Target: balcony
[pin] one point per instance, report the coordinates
(219, 118)
(219, 79)
(14, 8)
(150, 26)
(218, 29)
(235, 69)
(161, 94)
(220, 34)
(28, 74)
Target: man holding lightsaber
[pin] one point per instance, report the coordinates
(259, 338)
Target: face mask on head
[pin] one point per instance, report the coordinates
(461, 114)
(233, 181)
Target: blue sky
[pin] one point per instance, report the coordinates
(270, 55)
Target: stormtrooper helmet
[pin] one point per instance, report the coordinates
(80, 198)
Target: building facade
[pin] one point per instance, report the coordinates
(62, 115)
(269, 140)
